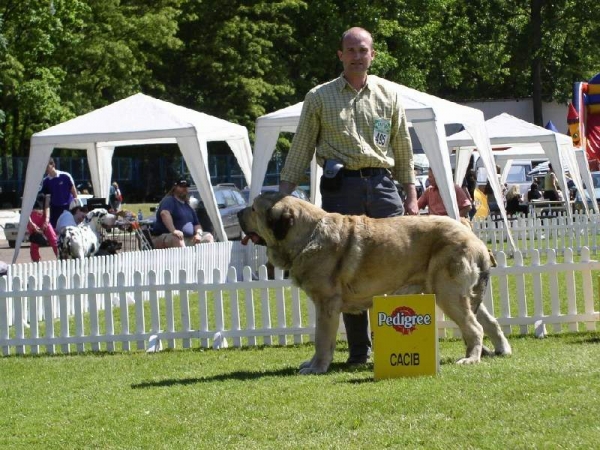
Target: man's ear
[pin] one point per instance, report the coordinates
(280, 221)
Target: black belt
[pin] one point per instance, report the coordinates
(366, 172)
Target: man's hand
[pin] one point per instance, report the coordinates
(411, 208)
(178, 234)
(285, 187)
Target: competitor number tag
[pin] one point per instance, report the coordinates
(381, 132)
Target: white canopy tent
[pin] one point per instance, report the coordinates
(505, 129)
(137, 120)
(427, 115)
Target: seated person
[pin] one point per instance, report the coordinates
(534, 192)
(514, 201)
(433, 200)
(71, 217)
(40, 229)
(176, 223)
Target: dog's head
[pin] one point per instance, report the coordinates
(272, 215)
(100, 217)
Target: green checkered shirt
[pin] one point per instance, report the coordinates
(361, 129)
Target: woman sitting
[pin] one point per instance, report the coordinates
(514, 201)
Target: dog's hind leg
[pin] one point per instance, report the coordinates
(492, 329)
(451, 281)
(488, 322)
(459, 311)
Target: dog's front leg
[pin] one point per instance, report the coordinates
(327, 322)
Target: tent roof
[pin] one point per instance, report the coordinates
(446, 111)
(285, 119)
(138, 119)
(506, 129)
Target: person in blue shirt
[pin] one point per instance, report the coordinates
(177, 224)
(59, 189)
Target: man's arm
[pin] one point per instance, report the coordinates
(464, 201)
(411, 207)
(286, 187)
(47, 208)
(303, 144)
(464, 211)
(167, 219)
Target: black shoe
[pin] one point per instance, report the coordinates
(358, 360)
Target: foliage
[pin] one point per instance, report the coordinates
(241, 59)
(234, 62)
(67, 57)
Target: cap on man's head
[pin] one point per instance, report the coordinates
(182, 183)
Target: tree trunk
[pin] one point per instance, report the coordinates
(536, 62)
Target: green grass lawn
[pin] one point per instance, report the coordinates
(544, 396)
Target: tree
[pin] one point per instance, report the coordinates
(68, 57)
(234, 63)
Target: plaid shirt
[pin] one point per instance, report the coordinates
(361, 129)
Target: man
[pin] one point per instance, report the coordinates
(176, 223)
(359, 129)
(71, 217)
(432, 199)
(550, 188)
(59, 189)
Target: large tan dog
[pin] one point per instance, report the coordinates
(341, 262)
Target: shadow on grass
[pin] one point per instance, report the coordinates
(246, 375)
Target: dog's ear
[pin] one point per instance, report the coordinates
(280, 221)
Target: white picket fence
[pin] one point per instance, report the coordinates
(538, 233)
(229, 293)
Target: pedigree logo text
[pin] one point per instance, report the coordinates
(403, 319)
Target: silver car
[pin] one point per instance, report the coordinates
(229, 201)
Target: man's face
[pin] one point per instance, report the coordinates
(357, 53)
(49, 168)
(181, 192)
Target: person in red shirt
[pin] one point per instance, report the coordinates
(432, 199)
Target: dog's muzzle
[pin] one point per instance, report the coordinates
(249, 235)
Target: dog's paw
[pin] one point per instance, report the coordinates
(469, 360)
(312, 367)
(506, 351)
(312, 370)
(305, 364)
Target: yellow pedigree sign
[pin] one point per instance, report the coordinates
(404, 335)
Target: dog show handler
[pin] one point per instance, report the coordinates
(358, 127)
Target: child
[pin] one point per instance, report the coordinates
(39, 228)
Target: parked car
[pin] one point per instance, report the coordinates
(229, 200)
(298, 193)
(578, 205)
(11, 229)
